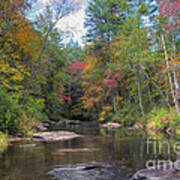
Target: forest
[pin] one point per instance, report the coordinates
(127, 71)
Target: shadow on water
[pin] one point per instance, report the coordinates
(121, 146)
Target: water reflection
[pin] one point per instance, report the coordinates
(119, 146)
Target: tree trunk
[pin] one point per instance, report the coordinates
(140, 97)
(175, 71)
(169, 74)
(114, 102)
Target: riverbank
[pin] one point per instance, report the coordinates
(3, 142)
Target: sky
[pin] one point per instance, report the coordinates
(73, 22)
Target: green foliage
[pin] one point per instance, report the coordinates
(160, 118)
(74, 52)
(15, 117)
(121, 76)
(3, 142)
(27, 125)
(128, 115)
(55, 109)
(10, 111)
(104, 19)
(34, 107)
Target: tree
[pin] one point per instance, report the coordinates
(103, 32)
(47, 22)
(169, 9)
(104, 19)
(18, 45)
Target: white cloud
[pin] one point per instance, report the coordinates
(44, 1)
(73, 23)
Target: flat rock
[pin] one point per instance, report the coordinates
(55, 135)
(88, 171)
(111, 125)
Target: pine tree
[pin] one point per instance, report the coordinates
(104, 18)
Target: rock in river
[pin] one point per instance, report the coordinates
(55, 135)
(111, 125)
(88, 171)
(42, 128)
(163, 172)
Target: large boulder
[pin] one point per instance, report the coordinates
(163, 172)
(88, 171)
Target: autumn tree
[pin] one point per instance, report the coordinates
(18, 44)
(169, 34)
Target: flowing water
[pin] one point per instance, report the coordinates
(32, 160)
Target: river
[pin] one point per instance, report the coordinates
(28, 160)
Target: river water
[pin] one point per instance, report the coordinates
(121, 146)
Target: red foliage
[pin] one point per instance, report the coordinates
(66, 98)
(111, 80)
(76, 67)
(170, 9)
(110, 83)
(108, 72)
(162, 7)
(117, 75)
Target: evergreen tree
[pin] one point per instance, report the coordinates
(104, 19)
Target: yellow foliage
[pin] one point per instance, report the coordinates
(103, 113)
(11, 74)
(101, 119)
(27, 73)
(84, 83)
(7, 85)
(107, 108)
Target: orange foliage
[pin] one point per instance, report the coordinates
(17, 34)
